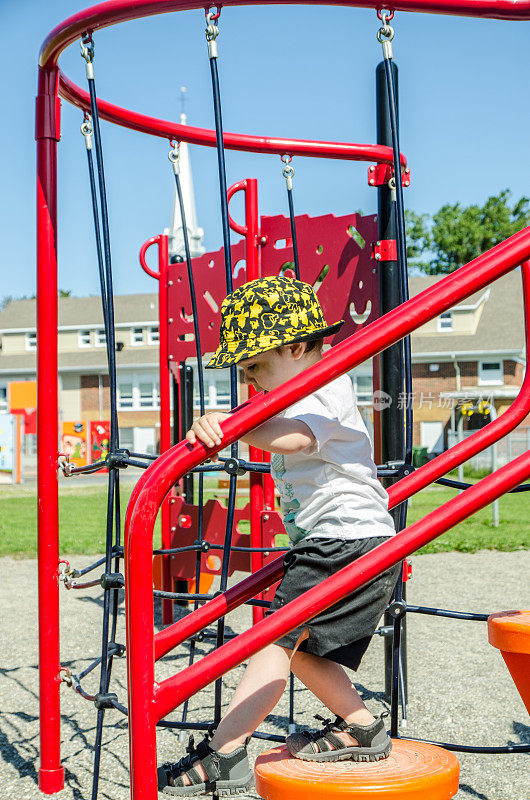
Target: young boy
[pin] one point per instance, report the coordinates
(335, 510)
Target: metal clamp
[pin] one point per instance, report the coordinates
(87, 130)
(87, 52)
(117, 649)
(385, 34)
(288, 170)
(105, 700)
(118, 459)
(65, 676)
(212, 32)
(174, 156)
(87, 47)
(233, 467)
(65, 572)
(112, 580)
(63, 462)
(397, 609)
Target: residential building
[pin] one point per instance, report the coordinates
(475, 351)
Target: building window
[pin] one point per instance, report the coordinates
(490, 372)
(127, 438)
(138, 391)
(148, 394)
(216, 389)
(83, 338)
(137, 336)
(153, 335)
(445, 321)
(31, 341)
(3, 398)
(363, 388)
(125, 395)
(101, 339)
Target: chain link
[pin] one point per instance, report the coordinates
(87, 48)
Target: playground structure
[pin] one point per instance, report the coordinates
(149, 702)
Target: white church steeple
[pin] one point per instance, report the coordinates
(195, 234)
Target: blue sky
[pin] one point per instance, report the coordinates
(285, 70)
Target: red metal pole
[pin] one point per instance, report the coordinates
(47, 134)
(165, 413)
(162, 242)
(167, 129)
(114, 11)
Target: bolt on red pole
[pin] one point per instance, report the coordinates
(47, 134)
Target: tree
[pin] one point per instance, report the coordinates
(9, 298)
(457, 234)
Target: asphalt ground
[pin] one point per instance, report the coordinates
(459, 689)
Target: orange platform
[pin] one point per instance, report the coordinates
(509, 631)
(413, 771)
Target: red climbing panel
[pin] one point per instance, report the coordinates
(335, 257)
(413, 771)
(184, 526)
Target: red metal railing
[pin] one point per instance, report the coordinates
(149, 701)
(114, 11)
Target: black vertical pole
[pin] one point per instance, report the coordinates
(392, 421)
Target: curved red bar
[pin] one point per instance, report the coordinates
(114, 11)
(143, 251)
(240, 186)
(232, 141)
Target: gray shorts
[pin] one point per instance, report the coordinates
(343, 631)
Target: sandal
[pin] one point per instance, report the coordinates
(228, 773)
(373, 742)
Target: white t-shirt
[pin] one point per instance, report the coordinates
(331, 490)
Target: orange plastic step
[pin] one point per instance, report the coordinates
(509, 632)
(413, 771)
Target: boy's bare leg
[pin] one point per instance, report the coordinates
(331, 684)
(257, 693)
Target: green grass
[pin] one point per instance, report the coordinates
(477, 532)
(82, 513)
(82, 520)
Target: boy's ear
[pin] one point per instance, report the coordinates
(297, 349)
